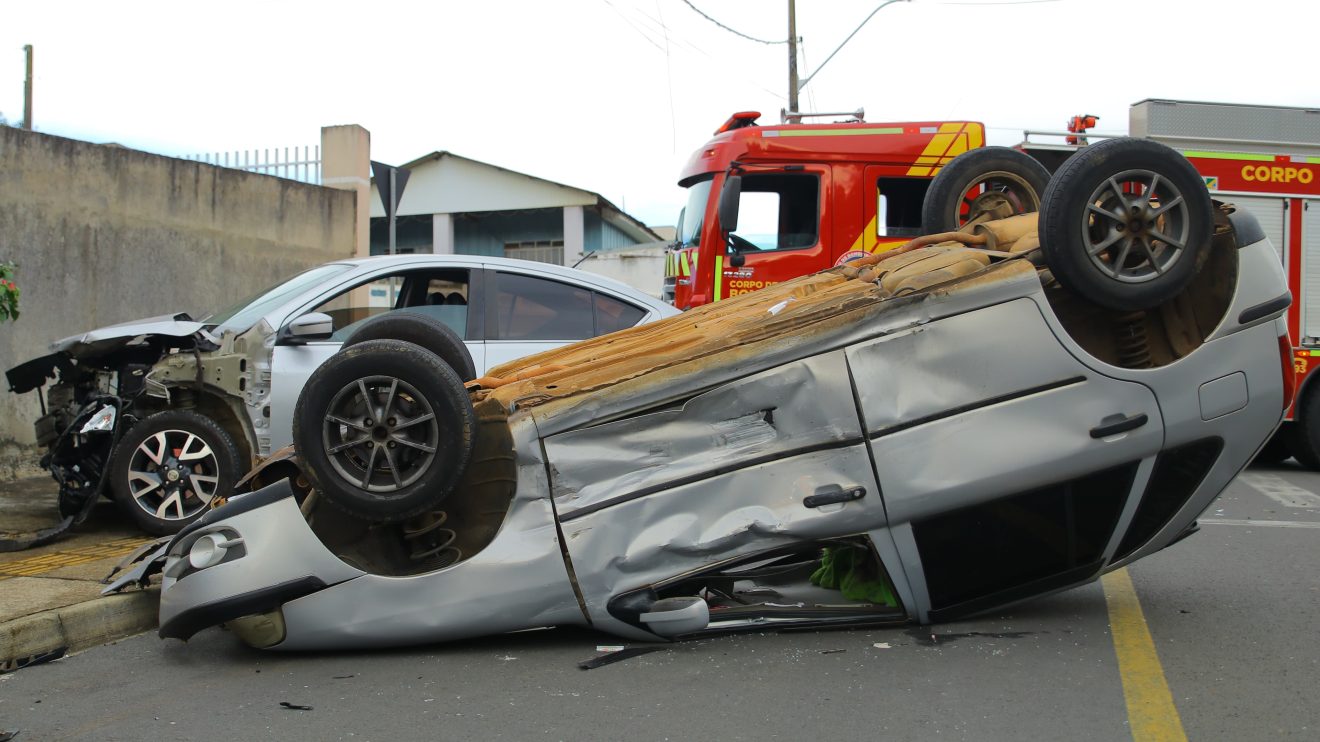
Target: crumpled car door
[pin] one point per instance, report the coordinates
(769, 460)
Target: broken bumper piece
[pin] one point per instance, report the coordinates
(211, 574)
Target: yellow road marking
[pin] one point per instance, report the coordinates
(1151, 713)
(54, 560)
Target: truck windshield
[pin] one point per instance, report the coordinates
(695, 212)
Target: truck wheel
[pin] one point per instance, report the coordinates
(1126, 223)
(167, 468)
(1303, 434)
(423, 330)
(1276, 450)
(985, 183)
(385, 429)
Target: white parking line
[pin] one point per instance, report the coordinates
(1281, 490)
(1263, 523)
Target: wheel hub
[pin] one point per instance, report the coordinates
(380, 433)
(1137, 226)
(173, 474)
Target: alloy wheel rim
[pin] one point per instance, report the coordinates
(380, 434)
(1136, 226)
(173, 475)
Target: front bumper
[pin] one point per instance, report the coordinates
(278, 559)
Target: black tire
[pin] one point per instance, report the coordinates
(1303, 434)
(1121, 249)
(1013, 183)
(423, 330)
(1276, 450)
(166, 469)
(337, 429)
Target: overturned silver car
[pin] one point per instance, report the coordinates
(972, 420)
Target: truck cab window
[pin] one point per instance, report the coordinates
(898, 206)
(778, 211)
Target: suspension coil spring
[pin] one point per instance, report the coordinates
(428, 539)
(1132, 343)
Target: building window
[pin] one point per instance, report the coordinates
(543, 251)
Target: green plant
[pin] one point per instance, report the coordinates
(8, 292)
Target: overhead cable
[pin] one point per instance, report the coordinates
(730, 30)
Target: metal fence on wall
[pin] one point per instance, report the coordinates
(302, 164)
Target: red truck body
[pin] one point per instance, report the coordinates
(821, 194)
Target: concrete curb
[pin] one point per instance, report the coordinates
(54, 633)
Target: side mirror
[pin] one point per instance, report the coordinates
(311, 326)
(678, 230)
(728, 207)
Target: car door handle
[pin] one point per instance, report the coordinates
(1115, 424)
(829, 498)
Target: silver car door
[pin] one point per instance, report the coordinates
(1005, 463)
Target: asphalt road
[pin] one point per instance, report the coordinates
(1231, 612)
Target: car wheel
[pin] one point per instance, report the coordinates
(167, 468)
(997, 182)
(1126, 223)
(419, 329)
(385, 429)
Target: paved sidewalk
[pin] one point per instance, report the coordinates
(50, 597)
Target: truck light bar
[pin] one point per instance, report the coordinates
(739, 120)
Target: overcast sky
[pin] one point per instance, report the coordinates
(612, 95)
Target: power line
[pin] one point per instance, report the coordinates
(639, 31)
(730, 30)
(1008, 2)
(669, 79)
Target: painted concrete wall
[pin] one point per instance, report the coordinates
(642, 267)
(103, 234)
(601, 235)
(486, 233)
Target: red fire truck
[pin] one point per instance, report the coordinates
(816, 195)
(812, 196)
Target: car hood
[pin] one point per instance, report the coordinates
(112, 337)
(32, 374)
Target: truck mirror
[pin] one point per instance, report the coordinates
(678, 230)
(728, 208)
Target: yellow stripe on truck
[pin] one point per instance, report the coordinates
(951, 141)
(719, 277)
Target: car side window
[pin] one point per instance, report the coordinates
(530, 308)
(439, 294)
(358, 304)
(613, 315)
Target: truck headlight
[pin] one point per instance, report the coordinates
(102, 422)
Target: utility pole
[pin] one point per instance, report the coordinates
(792, 58)
(27, 90)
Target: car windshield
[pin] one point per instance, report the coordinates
(694, 212)
(244, 314)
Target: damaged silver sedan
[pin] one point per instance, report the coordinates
(166, 413)
(969, 421)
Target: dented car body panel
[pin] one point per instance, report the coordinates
(982, 440)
